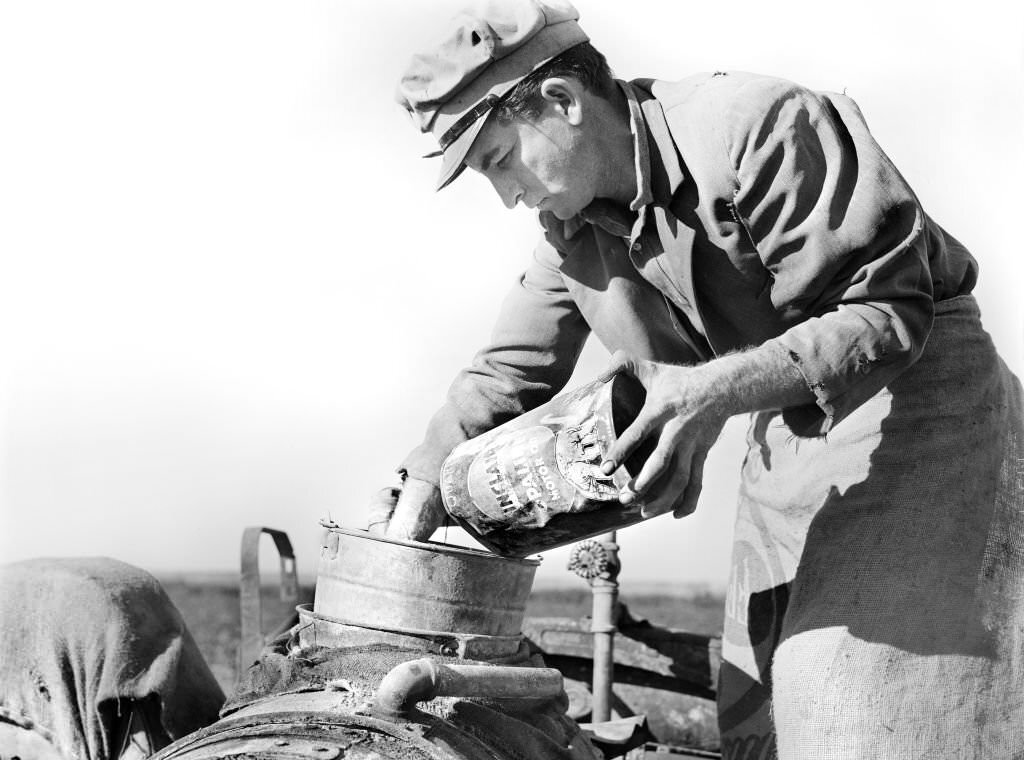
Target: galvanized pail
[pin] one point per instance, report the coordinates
(420, 587)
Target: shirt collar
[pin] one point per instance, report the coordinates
(665, 169)
(641, 151)
(614, 218)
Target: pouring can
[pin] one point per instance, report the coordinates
(535, 482)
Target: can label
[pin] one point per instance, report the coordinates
(512, 473)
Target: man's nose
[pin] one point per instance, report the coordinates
(508, 192)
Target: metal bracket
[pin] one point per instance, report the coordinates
(252, 639)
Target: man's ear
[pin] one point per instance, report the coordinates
(566, 96)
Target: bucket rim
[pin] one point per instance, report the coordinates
(306, 611)
(437, 547)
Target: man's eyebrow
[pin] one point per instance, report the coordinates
(489, 157)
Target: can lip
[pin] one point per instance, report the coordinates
(437, 547)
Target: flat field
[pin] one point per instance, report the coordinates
(209, 605)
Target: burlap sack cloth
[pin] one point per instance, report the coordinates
(876, 605)
(87, 646)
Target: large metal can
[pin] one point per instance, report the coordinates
(535, 482)
(421, 587)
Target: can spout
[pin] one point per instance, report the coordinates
(422, 680)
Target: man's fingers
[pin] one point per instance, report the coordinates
(631, 437)
(620, 362)
(664, 494)
(660, 460)
(691, 494)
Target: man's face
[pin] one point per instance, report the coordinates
(541, 162)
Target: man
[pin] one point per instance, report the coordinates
(743, 245)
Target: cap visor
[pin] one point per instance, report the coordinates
(453, 161)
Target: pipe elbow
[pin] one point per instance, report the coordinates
(422, 680)
(406, 684)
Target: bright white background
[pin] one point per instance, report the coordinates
(229, 295)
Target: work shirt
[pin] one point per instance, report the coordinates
(765, 212)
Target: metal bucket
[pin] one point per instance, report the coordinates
(535, 482)
(420, 587)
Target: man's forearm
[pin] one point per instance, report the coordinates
(750, 381)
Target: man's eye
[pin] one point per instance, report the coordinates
(503, 161)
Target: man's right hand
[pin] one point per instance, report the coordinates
(410, 513)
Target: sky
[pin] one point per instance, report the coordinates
(229, 295)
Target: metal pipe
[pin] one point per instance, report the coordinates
(605, 590)
(422, 680)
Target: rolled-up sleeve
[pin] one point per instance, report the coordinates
(839, 232)
(533, 350)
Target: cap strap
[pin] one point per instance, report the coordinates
(466, 120)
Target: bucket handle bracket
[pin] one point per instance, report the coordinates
(252, 639)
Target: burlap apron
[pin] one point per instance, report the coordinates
(876, 605)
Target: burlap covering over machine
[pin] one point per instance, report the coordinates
(86, 644)
(877, 589)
